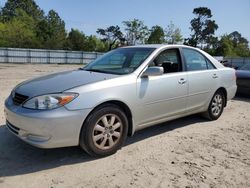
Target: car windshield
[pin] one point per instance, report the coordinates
(245, 67)
(120, 61)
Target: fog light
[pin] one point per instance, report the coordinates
(37, 138)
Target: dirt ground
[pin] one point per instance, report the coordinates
(189, 152)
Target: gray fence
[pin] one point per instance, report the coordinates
(19, 55)
(236, 61)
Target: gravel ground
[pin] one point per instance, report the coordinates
(189, 152)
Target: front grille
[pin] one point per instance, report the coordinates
(12, 128)
(19, 99)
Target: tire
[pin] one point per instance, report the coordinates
(216, 106)
(104, 131)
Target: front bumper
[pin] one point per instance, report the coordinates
(45, 128)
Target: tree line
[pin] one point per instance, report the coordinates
(23, 24)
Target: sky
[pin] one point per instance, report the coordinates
(88, 15)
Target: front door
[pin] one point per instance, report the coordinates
(162, 96)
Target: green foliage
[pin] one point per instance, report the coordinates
(202, 26)
(111, 35)
(55, 34)
(240, 44)
(212, 45)
(156, 35)
(76, 40)
(28, 6)
(173, 34)
(24, 25)
(233, 45)
(136, 32)
(225, 47)
(95, 44)
(19, 32)
(24, 22)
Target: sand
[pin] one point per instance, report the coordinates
(188, 152)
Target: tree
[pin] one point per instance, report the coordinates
(136, 32)
(112, 35)
(173, 34)
(156, 35)
(43, 32)
(94, 44)
(240, 44)
(19, 32)
(28, 6)
(51, 31)
(233, 45)
(76, 40)
(202, 26)
(24, 25)
(225, 47)
(213, 44)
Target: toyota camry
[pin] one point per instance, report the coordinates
(121, 92)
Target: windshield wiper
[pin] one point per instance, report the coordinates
(96, 70)
(102, 71)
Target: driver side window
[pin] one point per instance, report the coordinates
(169, 60)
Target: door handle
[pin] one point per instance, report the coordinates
(215, 76)
(182, 81)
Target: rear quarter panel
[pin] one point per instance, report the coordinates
(228, 81)
(227, 76)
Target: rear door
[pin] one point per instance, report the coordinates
(203, 78)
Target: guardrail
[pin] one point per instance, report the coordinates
(20, 55)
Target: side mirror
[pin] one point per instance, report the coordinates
(152, 71)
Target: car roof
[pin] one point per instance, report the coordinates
(157, 46)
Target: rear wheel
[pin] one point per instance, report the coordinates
(216, 106)
(104, 131)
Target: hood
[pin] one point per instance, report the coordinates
(59, 82)
(243, 74)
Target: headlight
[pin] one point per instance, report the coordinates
(50, 101)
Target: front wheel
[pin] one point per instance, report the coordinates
(216, 106)
(104, 131)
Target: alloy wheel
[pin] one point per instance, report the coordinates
(217, 105)
(107, 131)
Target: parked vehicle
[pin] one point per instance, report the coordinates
(243, 79)
(123, 91)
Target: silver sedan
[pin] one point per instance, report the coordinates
(123, 91)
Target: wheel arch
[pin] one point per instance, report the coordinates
(224, 91)
(124, 107)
